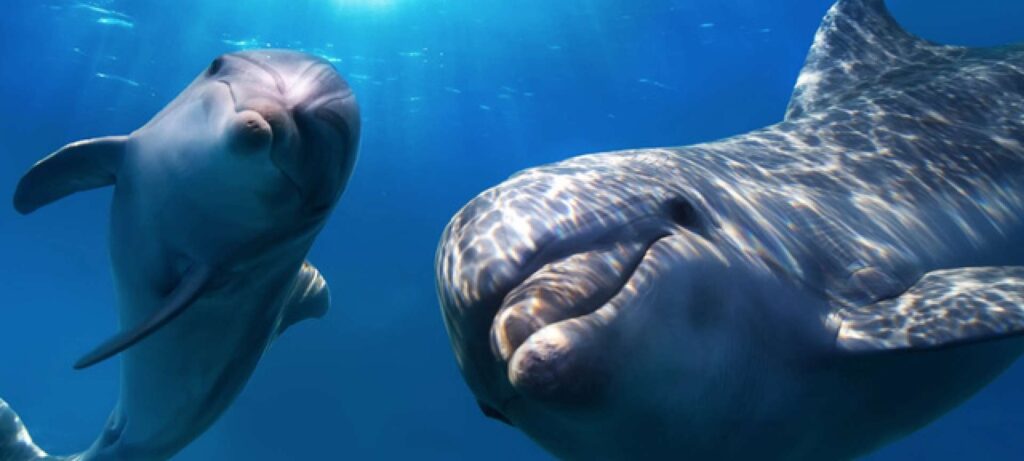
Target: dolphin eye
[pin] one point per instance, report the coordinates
(215, 66)
(684, 214)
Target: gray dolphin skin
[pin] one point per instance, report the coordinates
(216, 203)
(811, 290)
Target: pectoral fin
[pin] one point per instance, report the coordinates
(310, 298)
(944, 308)
(183, 296)
(76, 167)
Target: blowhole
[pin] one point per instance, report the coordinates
(215, 66)
(251, 133)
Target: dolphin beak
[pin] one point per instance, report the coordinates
(525, 262)
(328, 132)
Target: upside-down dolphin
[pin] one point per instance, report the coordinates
(216, 203)
(810, 290)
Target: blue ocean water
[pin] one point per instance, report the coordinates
(455, 96)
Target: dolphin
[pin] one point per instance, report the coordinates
(217, 201)
(807, 291)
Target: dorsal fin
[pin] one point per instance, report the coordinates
(858, 46)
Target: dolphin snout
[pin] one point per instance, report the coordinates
(547, 215)
(527, 260)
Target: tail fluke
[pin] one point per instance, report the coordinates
(15, 443)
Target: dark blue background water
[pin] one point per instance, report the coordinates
(456, 96)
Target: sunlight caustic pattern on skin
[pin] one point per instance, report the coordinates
(783, 182)
(896, 156)
(938, 310)
(20, 441)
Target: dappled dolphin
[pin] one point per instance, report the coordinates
(810, 290)
(216, 203)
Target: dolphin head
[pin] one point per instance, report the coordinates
(549, 246)
(600, 290)
(270, 131)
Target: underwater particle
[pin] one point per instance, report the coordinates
(707, 25)
(117, 22)
(100, 10)
(117, 78)
(656, 84)
(453, 90)
(246, 43)
(485, 107)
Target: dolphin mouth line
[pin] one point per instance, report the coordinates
(567, 288)
(614, 292)
(231, 91)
